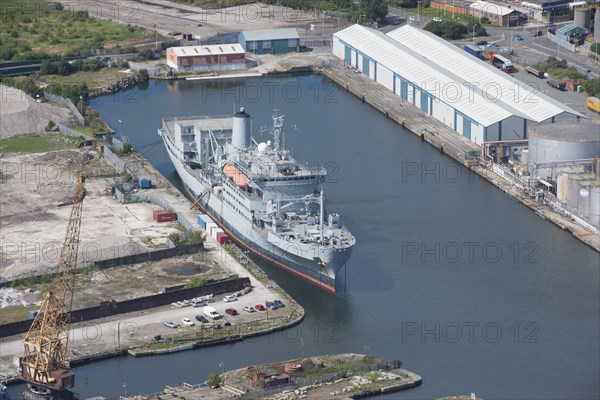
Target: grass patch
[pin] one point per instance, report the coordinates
(38, 28)
(16, 313)
(37, 142)
(94, 79)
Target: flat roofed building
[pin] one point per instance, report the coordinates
(270, 41)
(229, 56)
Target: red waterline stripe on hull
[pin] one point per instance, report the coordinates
(323, 285)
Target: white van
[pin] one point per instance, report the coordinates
(210, 312)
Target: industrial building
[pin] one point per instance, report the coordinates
(469, 95)
(497, 14)
(214, 57)
(270, 41)
(571, 34)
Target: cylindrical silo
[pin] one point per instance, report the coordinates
(595, 204)
(562, 186)
(597, 26)
(583, 205)
(583, 18)
(241, 129)
(563, 141)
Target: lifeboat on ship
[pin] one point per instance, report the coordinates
(234, 174)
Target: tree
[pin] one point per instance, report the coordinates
(592, 87)
(595, 48)
(374, 10)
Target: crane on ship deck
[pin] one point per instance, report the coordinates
(44, 365)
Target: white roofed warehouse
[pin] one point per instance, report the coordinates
(229, 56)
(469, 95)
(496, 13)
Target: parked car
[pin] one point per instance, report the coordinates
(217, 326)
(227, 323)
(231, 311)
(411, 18)
(202, 318)
(538, 33)
(249, 309)
(230, 298)
(260, 307)
(187, 322)
(198, 303)
(278, 303)
(482, 43)
(271, 305)
(518, 37)
(170, 324)
(437, 19)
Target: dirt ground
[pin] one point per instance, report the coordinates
(168, 17)
(35, 191)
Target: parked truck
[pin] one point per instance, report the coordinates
(211, 312)
(473, 50)
(501, 62)
(593, 104)
(556, 84)
(535, 71)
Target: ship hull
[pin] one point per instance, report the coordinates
(320, 267)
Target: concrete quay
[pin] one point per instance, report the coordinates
(339, 376)
(449, 142)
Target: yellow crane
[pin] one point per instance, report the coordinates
(44, 364)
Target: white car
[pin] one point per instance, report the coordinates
(249, 309)
(187, 321)
(437, 19)
(170, 324)
(230, 298)
(411, 18)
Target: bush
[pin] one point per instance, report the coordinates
(447, 29)
(595, 48)
(51, 125)
(195, 282)
(592, 87)
(213, 380)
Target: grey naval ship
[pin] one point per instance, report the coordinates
(258, 194)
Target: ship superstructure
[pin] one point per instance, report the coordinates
(258, 194)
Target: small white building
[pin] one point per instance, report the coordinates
(469, 95)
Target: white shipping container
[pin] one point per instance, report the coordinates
(210, 226)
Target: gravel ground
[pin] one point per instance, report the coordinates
(21, 114)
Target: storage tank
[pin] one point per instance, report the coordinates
(597, 26)
(583, 18)
(562, 186)
(583, 206)
(525, 156)
(563, 141)
(241, 129)
(595, 204)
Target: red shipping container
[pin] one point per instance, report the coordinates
(222, 238)
(164, 216)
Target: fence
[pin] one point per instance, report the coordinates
(65, 130)
(561, 43)
(115, 160)
(68, 103)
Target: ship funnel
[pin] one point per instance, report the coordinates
(241, 129)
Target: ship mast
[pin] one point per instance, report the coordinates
(321, 212)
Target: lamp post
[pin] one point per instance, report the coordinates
(120, 132)
(81, 102)
(474, 34)
(125, 389)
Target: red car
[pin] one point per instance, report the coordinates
(231, 311)
(260, 307)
